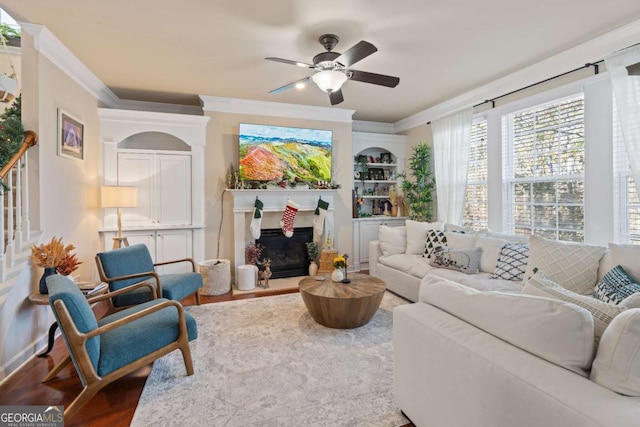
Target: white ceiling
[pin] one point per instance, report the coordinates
(168, 51)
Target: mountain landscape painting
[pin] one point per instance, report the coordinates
(276, 153)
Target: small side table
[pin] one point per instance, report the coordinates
(43, 299)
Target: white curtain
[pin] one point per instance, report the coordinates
(626, 90)
(451, 140)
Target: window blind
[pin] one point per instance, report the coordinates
(475, 208)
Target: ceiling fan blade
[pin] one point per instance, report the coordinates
(373, 78)
(336, 97)
(290, 85)
(357, 53)
(288, 61)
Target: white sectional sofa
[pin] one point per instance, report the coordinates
(474, 351)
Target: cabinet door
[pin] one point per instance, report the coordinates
(137, 170)
(174, 189)
(368, 232)
(145, 237)
(172, 245)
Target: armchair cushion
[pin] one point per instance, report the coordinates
(62, 288)
(124, 261)
(129, 343)
(180, 285)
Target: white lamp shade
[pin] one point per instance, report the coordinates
(119, 197)
(329, 81)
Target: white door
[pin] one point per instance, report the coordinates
(172, 245)
(174, 189)
(138, 170)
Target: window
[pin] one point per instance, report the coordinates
(625, 198)
(543, 170)
(475, 205)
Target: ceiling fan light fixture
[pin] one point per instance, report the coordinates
(329, 80)
(301, 85)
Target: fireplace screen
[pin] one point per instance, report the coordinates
(288, 255)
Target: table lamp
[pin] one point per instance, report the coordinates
(119, 197)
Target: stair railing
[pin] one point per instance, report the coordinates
(16, 228)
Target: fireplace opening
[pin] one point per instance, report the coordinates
(288, 254)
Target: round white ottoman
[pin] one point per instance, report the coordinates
(216, 276)
(246, 277)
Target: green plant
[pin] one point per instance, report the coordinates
(363, 167)
(8, 31)
(418, 190)
(312, 250)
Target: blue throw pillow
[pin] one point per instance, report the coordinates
(615, 286)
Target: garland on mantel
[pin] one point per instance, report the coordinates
(11, 131)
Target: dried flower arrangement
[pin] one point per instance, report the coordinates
(68, 265)
(252, 253)
(53, 255)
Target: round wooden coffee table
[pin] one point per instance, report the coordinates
(342, 305)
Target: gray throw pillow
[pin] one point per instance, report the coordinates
(464, 260)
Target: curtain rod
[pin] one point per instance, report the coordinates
(596, 70)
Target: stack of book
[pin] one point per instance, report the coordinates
(92, 288)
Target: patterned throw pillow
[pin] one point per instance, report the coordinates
(435, 239)
(512, 262)
(615, 286)
(464, 260)
(603, 313)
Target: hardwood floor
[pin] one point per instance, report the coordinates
(113, 406)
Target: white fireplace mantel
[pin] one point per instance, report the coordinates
(274, 200)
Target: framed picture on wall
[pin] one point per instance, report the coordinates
(70, 136)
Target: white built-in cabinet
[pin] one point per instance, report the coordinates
(164, 187)
(373, 191)
(162, 155)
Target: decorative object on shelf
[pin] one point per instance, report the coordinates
(359, 201)
(70, 136)
(418, 191)
(385, 158)
(312, 253)
(49, 256)
(232, 177)
(340, 264)
(256, 221)
(376, 174)
(288, 217)
(252, 253)
(318, 217)
(112, 196)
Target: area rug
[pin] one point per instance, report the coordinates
(266, 362)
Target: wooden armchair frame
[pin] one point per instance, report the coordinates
(76, 342)
(154, 274)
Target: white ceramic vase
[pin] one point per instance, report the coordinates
(313, 268)
(337, 275)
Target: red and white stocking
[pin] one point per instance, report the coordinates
(288, 217)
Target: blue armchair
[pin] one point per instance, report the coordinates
(106, 350)
(123, 267)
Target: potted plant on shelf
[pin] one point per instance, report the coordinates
(418, 190)
(312, 253)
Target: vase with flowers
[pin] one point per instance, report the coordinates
(340, 264)
(54, 257)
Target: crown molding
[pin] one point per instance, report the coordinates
(151, 117)
(129, 104)
(590, 51)
(373, 127)
(276, 109)
(52, 48)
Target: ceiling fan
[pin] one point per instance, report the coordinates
(332, 69)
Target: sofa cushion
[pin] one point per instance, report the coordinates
(632, 301)
(512, 261)
(464, 260)
(556, 331)
(572, 265)
(414, 265)
(603, 313)
(417, 235)
(617, 363)
(393, 240)
(627, 256)
(435, 239)
(480, 281)
(490, 252)
(458, 240)
(615, 286)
